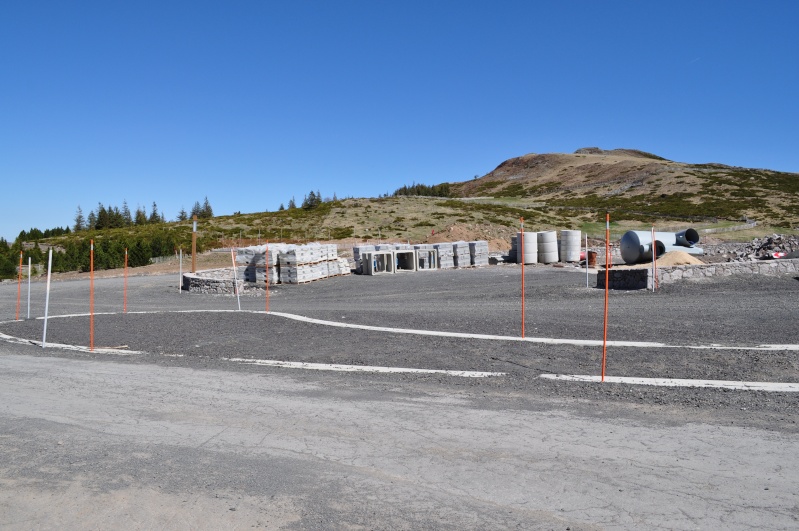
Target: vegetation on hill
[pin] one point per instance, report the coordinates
(550, 191)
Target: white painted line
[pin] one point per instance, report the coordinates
(464, 335)
(76, 348)
(680, 382)
(362, 368)
(544, 340)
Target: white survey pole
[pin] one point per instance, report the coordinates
(29, 287)
(586, 260)
(235, 279)
(180, 272)
(47, 297)
(654, 252)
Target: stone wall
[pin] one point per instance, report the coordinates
(642, 278)
(213, 281)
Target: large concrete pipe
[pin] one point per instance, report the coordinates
(636, 246)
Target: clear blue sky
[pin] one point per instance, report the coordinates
(253, 102)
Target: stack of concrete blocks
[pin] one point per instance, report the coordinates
(291, 264)
(462, 255)
(478, 252)
(357, 252)
(514, 248)
(338, 267)
(446, 255)
(303, 263)
(256, 258)
(426, 257)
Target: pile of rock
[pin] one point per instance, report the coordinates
(774, 246)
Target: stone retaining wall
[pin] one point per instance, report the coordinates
(642, 278)
(214, 281)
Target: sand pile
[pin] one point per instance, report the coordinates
(677, 258)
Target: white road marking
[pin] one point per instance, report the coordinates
(77, 348)
(764, 386)
(363, 368)
(680, 382)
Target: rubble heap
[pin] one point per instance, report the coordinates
(759, 249)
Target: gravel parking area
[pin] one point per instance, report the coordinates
(735, 312)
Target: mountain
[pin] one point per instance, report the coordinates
(633, 183)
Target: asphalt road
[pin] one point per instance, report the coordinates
(178, 436)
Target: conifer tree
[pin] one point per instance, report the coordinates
(80, 221)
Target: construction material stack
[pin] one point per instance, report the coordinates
(462, 256)
(478, 252)
(446, 255)
(255, 259)
(426, 257)
(357, 252)
(291, 264)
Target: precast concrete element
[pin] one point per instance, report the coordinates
(426, 257)
(513, 255)
(357, 251)
(378, 262)
(405, 260)
(446, 255)
(530, 244)
(291, 264)
(547, 247)
(637, 246)
(570, 245)
(462, 257)
(478, 253)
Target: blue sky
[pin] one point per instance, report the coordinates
(252, 102)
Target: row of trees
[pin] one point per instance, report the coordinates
(75, 255)
(436, 190)
(113, 217)
(310, 201)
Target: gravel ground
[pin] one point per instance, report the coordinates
(740, 312)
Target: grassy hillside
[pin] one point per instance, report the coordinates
(636, 185)
(550, 191)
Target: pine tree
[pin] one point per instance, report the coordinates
(154, 216)
(207, 212)
(292, 204)
(102, 218)
(141, 216)
(281, 207)
(126, 217)
(80, 221)
(182, 216)
(92, 220)
(196, 209)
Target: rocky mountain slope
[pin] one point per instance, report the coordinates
(633, 183)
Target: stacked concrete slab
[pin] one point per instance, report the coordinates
(446, 255)
(291, 264)
(478, 251)
(256, 259)
(462, 256)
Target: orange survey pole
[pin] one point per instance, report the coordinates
(607, 291)
(19, 284)
(125, 291)
(91, 296)
(267, 276)
(521, 237)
